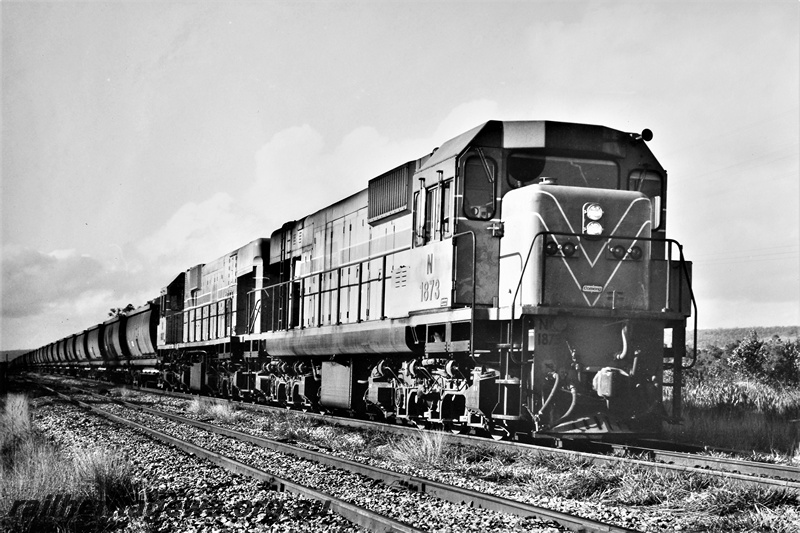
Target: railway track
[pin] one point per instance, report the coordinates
(361, 516)
(358, 515)
(768, 475)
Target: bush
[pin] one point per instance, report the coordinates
(782, 362)
(747, 359)
(774, 361)
(745, 395)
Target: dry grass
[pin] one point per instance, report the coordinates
(107, 472)
(750, 432)
(740, 414)
(744, 396)
(124, 393)
(706, 502)
(16, 421)
(34, 469)
(219, 411)
(424, 449)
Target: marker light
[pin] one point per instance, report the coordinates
(551, 248)
(594, 228)
(594, 212)
(568, 249)
(636, 253)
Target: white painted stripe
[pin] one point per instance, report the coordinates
(619, 263)
(619, 223)
(564, 259)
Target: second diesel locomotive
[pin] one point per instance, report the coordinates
(517, 280)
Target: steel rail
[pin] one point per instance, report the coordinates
(740, 466)
(355, 514)
(747, 472)
(439, 490)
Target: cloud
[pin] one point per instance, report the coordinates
(297, 173)
(191, 222)
(45, 296)
(35, 281)
(466, 116)
(297, 163)
(197, 232)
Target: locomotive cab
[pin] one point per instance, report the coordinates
(586, 284)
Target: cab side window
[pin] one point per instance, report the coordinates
(649, 183)
(446, 228)
(480, 175)
(431, 197)
(432, 217)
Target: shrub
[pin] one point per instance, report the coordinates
(747, 358)
(773, 360)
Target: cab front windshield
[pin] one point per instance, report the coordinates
(526, 169)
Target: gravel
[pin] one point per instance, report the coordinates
(213, 499)
(416, 509)
(649, 518)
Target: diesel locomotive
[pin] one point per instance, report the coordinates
(516, 280)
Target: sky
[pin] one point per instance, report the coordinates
(141, 138)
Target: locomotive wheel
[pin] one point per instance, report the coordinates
(457, 428)
(423, 424)
(499, 431)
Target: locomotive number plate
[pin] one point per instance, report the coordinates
(429, 290)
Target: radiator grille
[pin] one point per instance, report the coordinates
(388, 194)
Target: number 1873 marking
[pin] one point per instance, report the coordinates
(429, 290)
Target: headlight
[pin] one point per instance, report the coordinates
(594, 228)
(594, 212)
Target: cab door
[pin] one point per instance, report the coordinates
(478, 228)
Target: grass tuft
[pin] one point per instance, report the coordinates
(123, 392)
(220, 411)
(35, 470)
(108, 473)
(425, 448)
(731, 498)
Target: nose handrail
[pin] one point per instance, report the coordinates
(670, 242)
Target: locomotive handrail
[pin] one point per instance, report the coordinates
(474, 269)
(251, 316)
(174, 325)
(358, 262)
(671, 242)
